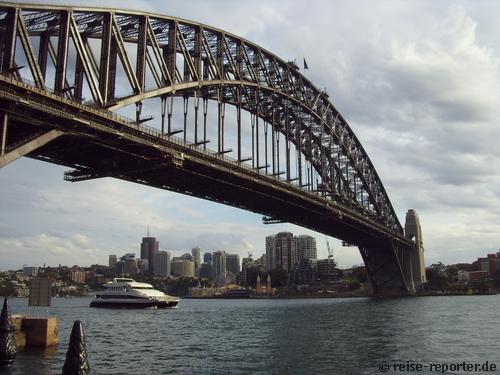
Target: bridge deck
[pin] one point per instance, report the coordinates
(98, 143)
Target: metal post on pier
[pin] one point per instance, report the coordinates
(76, 362)
(8, 347)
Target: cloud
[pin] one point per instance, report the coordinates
(447, 72)
(51, 250)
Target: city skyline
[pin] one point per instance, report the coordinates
(419, 92)
(139, 253)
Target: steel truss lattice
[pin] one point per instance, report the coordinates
(173, 57)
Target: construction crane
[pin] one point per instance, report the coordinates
(330, 263)
(330, 251)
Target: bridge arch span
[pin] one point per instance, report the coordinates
(122, 58)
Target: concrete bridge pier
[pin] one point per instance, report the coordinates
(396, 269)
(414, 264)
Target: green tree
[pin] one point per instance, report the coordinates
(7, 289)
(361, 275)
(179, 287)
(452, 273)
(251, 279)
(436, 280)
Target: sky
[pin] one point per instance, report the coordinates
(418, 82)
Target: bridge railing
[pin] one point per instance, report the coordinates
(21, 81)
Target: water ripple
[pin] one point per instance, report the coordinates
(303, 336)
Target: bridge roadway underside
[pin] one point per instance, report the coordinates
(97, 146)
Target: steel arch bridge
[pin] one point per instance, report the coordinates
(233, 122)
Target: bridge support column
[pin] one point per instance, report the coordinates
(415, 263)
(407, 267)
(383, 263)
(5, 124)
(26, 147)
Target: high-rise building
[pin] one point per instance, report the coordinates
(77, 276)
(207, 258)
(327, 270)
(196, 253)
(219, 264)
(291, 245)
(247, 265)
(149, 248)
(142, 265)
(187, 256)
(130, 267)
(304, 272)
(163, 264)
(206, 270)
(112, 261)
(282, 251)
(233, 264)
(182, 267)
(307, 247)
(490, 263)
(129, 264)
(119, 268)
(262, 261)
(270, 259)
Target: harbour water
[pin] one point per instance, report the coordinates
(296, 336)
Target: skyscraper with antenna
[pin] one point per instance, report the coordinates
(149, 249)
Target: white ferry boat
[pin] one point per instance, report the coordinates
(128, 293)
